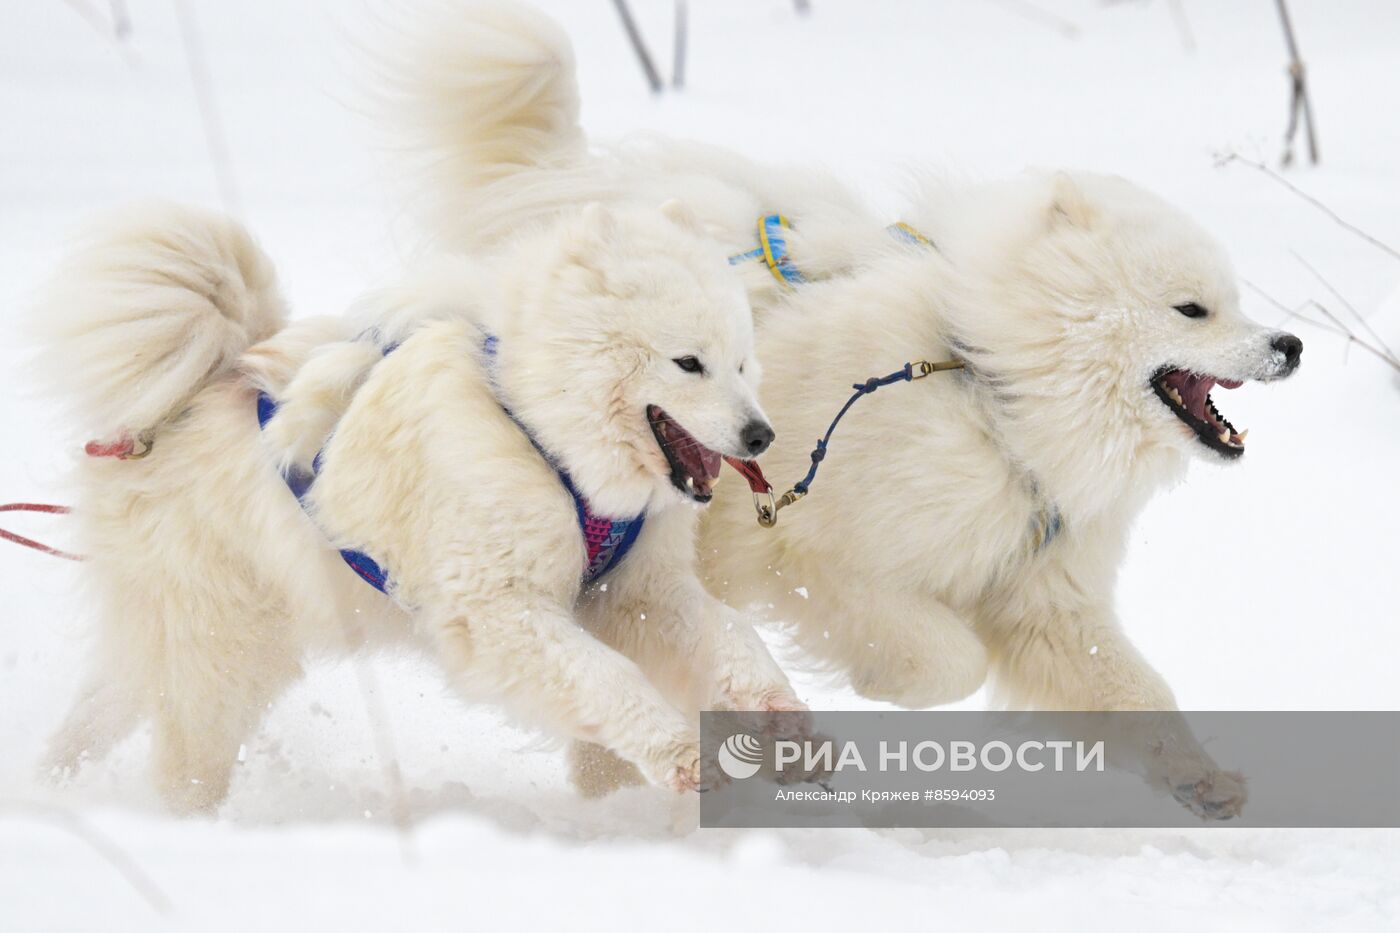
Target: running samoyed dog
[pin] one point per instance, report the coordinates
(598, 368)
(966, 527)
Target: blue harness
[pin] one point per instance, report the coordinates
(606, 540)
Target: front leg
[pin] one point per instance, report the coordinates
(531, 655)
(1054, 645)
(698, 651)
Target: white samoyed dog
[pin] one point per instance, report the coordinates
(596, 369)
(966, 527)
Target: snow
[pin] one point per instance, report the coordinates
(1270, 585)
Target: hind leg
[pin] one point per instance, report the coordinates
(103, 714)
(113, 698)
(200, 722)
(897, 646)
(208, 706)
(225, 655)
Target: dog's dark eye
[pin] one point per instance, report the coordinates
(689, 364)
(1191, 309)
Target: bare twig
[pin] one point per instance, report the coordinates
(1261, 167)
(114, 855)
(638, 46)
(1183, 26)
(678, 50)
(209, 115)
(1300, 106)
(1380, 341)
(114, 30)
(121, 19)
(1379, 354)
(1337, 326)
(1296, 315)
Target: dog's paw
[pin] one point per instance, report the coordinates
(790, 719)
(677, 766)
(1215, 795)
(686, 775)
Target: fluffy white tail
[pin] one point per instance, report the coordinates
(481, 95)
(152, 306)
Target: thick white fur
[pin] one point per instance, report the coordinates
(1058, 289)
(213, 584)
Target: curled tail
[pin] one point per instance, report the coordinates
(152, 306)
(482, 97)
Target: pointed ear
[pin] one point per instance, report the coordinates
(682, 216)
(598, 220)
(1068, 205)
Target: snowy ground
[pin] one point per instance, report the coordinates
(1267, 586)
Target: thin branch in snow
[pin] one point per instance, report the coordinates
(678, 50)
(121, 19)
(1379, 354)
(214, 137)
(114, 855)
(1261, 167)
(114, 30)
(638, 46)
(1380, 342)
(1296, 315)
(1300, 106)
(1336, 325)
(1183, 26)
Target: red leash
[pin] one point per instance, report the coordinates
(749, 470)
(763, 500)
(124, 447)
(30, 542)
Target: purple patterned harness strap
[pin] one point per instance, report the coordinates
(606, 540)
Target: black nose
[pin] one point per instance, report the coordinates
(1291, 348)
(756, 437)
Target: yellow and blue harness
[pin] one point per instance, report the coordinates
(772, 247)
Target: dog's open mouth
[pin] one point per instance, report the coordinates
(1187, 394)
(694, 467)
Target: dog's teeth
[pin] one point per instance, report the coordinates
(1224, 437)
(1174, 395)
(1239, 438)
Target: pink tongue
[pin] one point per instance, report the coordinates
(1229, 383)
(702, 462)
(1194, 392)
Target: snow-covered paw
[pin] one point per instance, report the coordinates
(686, 775)
(1217, 795)
(679, 767)
(790, 719)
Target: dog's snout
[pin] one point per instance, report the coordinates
(1291, 348)
(755, 437)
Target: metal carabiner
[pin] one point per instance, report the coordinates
(768, 510)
